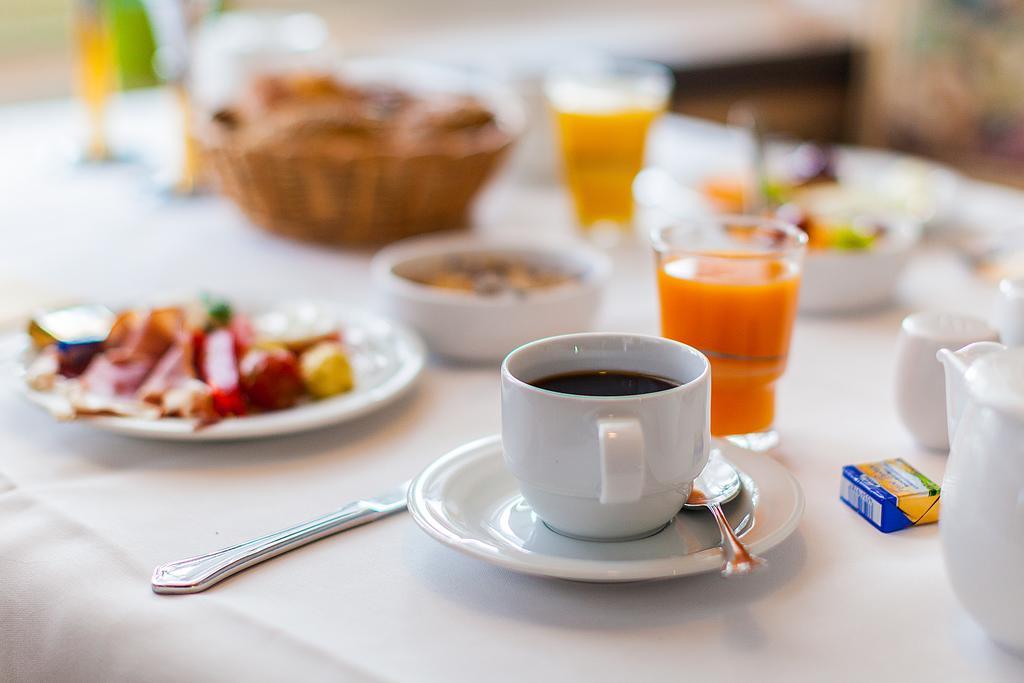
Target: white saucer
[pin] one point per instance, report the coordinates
(469, 501)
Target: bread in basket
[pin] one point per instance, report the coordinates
(360, 157)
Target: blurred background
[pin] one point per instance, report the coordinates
(936, 77)
(154, 135)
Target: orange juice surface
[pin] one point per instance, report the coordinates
(739, 311)
(602, 152)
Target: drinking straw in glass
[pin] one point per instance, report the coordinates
(603, 110)
(728, 286)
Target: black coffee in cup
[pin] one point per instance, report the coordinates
(604, 383)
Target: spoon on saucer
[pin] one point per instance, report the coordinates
(719, 483)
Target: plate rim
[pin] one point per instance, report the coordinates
(575, 569)
(279, 423)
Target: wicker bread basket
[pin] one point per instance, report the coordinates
(359, 198)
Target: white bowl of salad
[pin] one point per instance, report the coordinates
(859, 239)
(855, 265)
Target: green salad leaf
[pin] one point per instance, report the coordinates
(851, 239)
(777, 193)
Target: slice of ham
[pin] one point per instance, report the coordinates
(136, 345)
(105, 377)
(173, 368)
(137, 338)
(173, 385)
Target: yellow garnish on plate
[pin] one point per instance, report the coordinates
(326, 370)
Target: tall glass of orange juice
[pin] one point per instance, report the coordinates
(728, 286)
(94, 47)
(603, 110)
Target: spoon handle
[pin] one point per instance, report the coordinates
(738, 561)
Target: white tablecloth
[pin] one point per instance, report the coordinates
(84, 516)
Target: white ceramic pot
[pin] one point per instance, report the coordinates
(982, 518)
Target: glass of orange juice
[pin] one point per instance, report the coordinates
(603, 110)
(94, 47)
(728, 286)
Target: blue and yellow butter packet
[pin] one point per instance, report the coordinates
(890, 494)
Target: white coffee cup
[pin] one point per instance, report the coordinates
(605, 467)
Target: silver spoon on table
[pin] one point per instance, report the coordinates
(719, 483)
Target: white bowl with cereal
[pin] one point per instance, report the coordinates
(476, 299)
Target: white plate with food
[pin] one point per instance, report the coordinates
(204, 371)
(469, 501)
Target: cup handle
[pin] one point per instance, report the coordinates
(622, 459)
